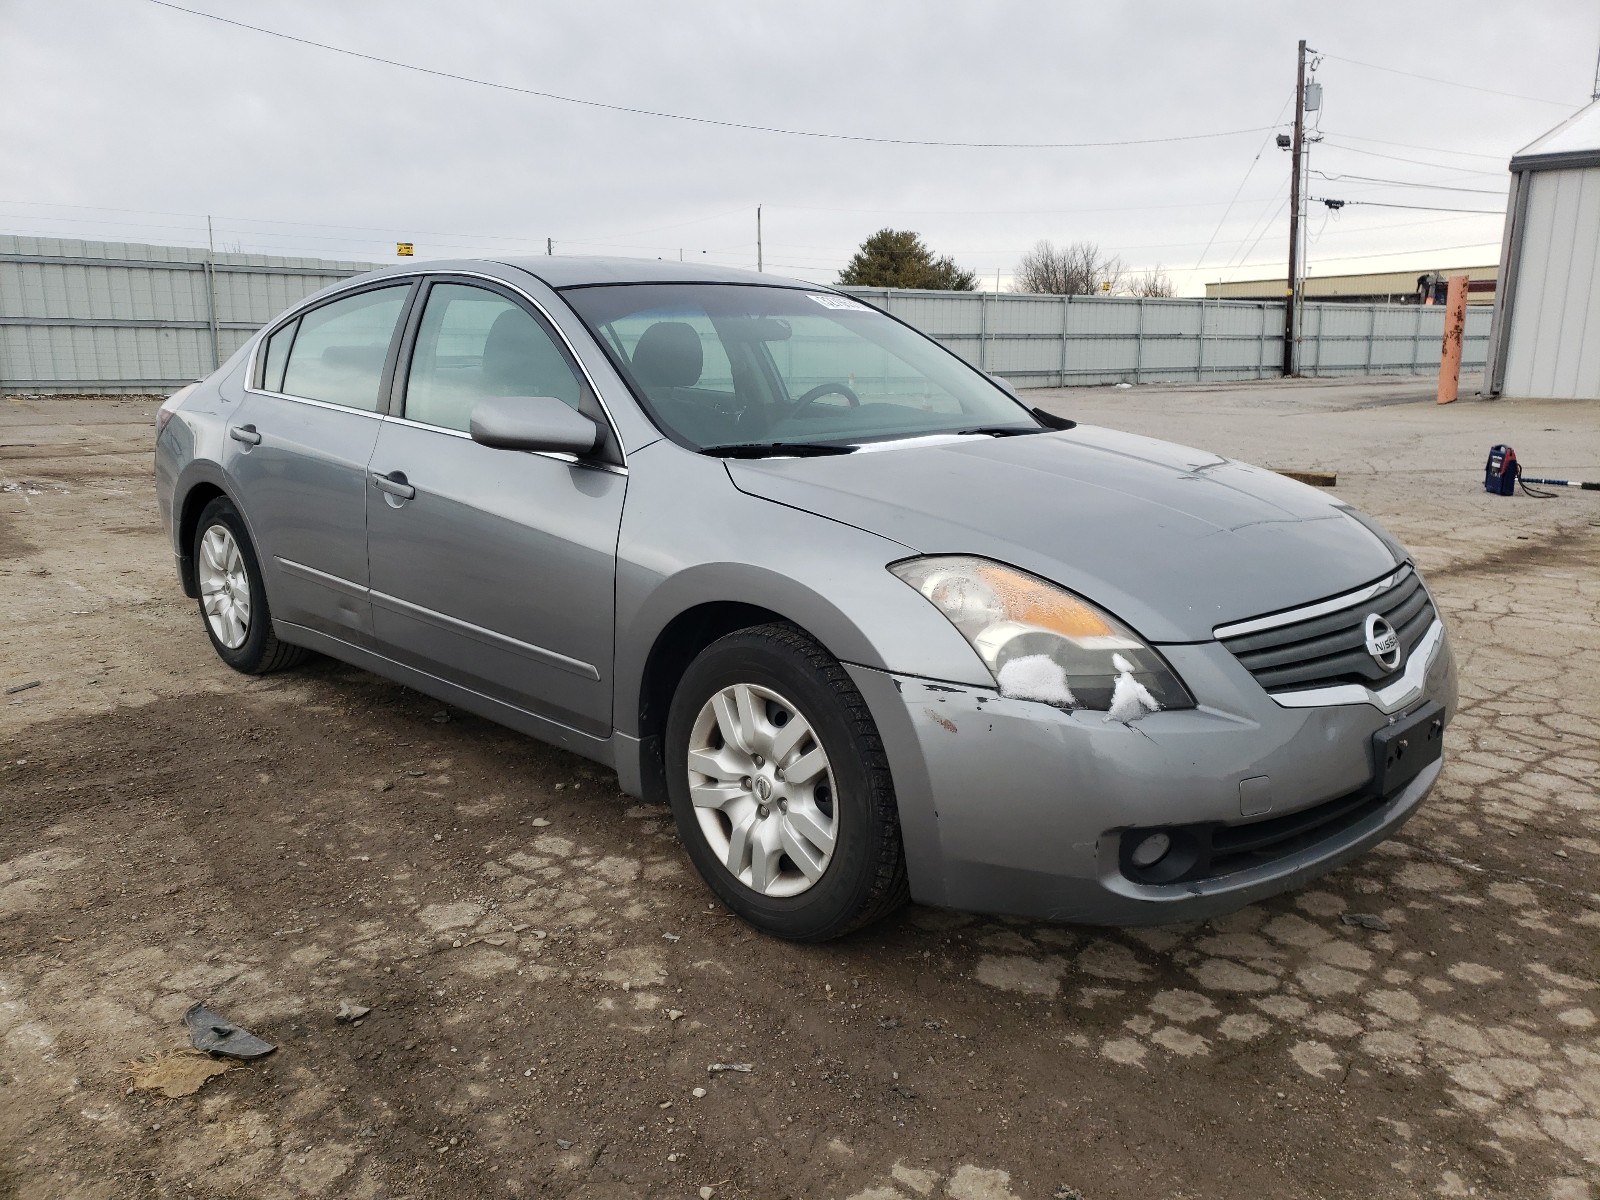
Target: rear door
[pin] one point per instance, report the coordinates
(494, 569)
(299, 448)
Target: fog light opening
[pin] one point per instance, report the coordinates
(1151, 850)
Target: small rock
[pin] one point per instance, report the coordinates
(564, 1144)
(678, 937)
(539, 822)
(674, 1014)
(349, 1012)
(672, 1158)
(719, 1068)
(383, 785)
(1366, 921)
(665, 1104)
(698, 1093)
(441, 717)
(438, 837)
(1066, 1193)
(706, 1193)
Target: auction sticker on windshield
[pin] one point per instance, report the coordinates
(840, 302)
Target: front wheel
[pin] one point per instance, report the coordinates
(233, 600)
(780, 786)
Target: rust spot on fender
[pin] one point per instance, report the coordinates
(944, 722)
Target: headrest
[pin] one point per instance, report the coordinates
(669, 355)
(511, 352)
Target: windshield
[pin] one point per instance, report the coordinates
(730, 365)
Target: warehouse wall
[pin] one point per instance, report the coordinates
(119, 317)
(1554, 342)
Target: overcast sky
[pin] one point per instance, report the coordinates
(126, 121)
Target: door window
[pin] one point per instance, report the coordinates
(339, 353)
(474, 344)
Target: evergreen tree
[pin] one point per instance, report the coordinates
(897, 258)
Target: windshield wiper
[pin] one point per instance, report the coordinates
(776, 450)
(1048, 420)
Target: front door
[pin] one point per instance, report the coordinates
(297, 452)
(493, 569)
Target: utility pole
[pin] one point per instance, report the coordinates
(760, 266)
(1292, 295)
(211, 294)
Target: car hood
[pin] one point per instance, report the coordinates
(1174, 541)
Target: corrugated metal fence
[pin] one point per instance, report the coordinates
(122, 317)
(1048, 341)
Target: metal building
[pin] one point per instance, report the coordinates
(1546, 335)
(1373, 287)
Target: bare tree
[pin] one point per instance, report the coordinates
(1080, 269)
(1154, 283)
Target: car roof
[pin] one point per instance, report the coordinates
(563, 271)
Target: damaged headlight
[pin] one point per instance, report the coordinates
(1040, 642)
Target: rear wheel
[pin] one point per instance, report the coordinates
(233, 602)
(780, 786)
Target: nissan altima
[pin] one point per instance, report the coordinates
(872, 626)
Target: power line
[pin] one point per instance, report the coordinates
(1416, 162)
(1488, 212)
(1450, 82)
(1246, 254)
(648, 112)
(1435, 187)
(1247, 172)
(1338, 258)
(1413, 146)
(386, 230)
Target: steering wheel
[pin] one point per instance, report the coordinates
(821, 390)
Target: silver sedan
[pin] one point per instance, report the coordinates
(873, 626)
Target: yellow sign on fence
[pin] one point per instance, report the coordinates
(404, 249)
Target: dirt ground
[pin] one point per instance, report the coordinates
(549, 983)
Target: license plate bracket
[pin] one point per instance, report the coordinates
(1400, 752)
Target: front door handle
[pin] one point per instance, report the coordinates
(394, 484)
(246, 434)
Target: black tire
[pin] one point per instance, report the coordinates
(261, 652)
(866, 878)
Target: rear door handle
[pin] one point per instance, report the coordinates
(394, 483)
(246, 434)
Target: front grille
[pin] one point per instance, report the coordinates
(1330, 649)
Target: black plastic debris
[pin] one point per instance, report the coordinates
(215, 1034)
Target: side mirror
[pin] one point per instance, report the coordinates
(533, 423)
(1005, 386)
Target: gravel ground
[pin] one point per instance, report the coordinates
(549, 983)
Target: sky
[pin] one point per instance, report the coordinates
(125, 120)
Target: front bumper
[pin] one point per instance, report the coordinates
(1011, 806)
